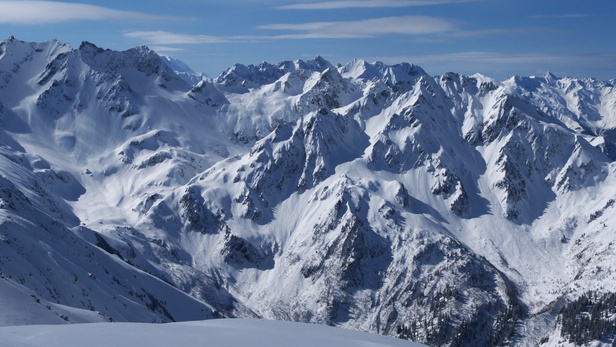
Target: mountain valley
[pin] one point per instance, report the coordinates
(449, 210)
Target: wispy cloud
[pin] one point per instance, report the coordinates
(503, 64)
(27, 12)
(405, 25)
(165, 49)
(343, 4)
(491, 58)
(166, 38)
(368, 28)
(561, 16)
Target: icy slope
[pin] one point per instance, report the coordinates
(449, 210)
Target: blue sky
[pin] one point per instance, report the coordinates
(498, 38)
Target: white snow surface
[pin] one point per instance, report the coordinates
(218, 332)
(447, 209)
(184, 71)
(21, 306)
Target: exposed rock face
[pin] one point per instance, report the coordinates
(451, 210)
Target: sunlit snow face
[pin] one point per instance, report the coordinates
(299, 190)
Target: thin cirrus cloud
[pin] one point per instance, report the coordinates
(164, 38)
(27, 12)
(490, 58)
(561, 16)
(368, 28)
(496, 62)
(344, 4)
(404, 25)
(165, 49)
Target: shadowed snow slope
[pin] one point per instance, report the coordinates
(449, 210)
(221, 332)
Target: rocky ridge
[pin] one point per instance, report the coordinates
(450, 210)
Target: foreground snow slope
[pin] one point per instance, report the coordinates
(22, 306)
(220, 332)
(450, 210)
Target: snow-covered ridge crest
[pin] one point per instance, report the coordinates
(445, 209)
(184, 71)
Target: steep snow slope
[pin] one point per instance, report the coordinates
(39, 252)
(184, 71)
(21, 306)
(449, 210)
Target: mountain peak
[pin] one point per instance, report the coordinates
(88, 45)
(320, 61)
(177, 65)
(550, 76)
(452, 209)
(184, 71)
(389, 74)
(318, 64)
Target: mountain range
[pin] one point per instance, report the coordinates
(449, 210)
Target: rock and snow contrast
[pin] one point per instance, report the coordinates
(449, 210)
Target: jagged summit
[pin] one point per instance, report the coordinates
(184, 71)
(451, 209)
(89, 45)
(252, 76)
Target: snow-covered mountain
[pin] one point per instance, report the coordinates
(450, 210)
(184, 71)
